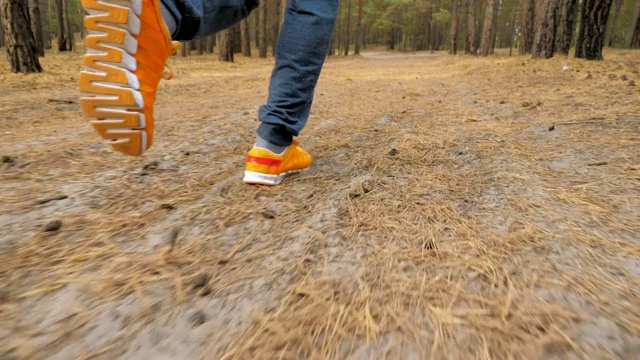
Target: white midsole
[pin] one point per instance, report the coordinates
(253, 177)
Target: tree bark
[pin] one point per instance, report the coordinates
(20, 44)
(593, 23)
(635, 38)
(453, 46)
(614, 23)
(36, 24)
(67, 24)
(225, 45)
(201, 46)
(494, 28)
(211, 42)
(347, 38)
(527, 19)
(564, 35)
(262, 30)
(1, 33)
(184, 49)
(358, 29)
(485, 44)
(470, 43)
(275, 25)
(545, 38)
(236, 38)
(62, 40)
(246, 38)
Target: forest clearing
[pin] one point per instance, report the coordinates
(457, 207)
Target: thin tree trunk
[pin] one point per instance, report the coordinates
(527, 19)
(453, 46)
(184, 49)
(20, 44)
(564, 35)
(256, 26)
(593, 23)
(201, 45)
(485, 44)
(236, 38)
(614, 23)
(67, 24)
(347, 38)
(358, 29)
(246, 38)
(635, 38)
(512, 26)
(36, 24)
(469, 46)
(262, 30)
(62, 41)
(1, 33)
(545, 39)
(275, 25)
(211, 42)
(225, 45)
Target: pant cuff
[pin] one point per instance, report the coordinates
(276, 134)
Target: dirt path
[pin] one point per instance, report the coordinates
(457, 208)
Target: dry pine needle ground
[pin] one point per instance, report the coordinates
(457, 208)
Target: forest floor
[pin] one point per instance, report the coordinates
(457, 208)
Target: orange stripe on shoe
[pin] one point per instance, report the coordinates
(263, 161)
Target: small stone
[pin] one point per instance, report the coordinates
(361, 185)
(6, 159)
(269, 214)
(588, 77)
(502, 102)
(624, 78)
(526, 104)
(632, 83)
(151, 166)
(552, 127)
(167, 207)
(393, 152)
(612, 77)
(201, 280)
(53, 225)
(197, 318)
(205, 291)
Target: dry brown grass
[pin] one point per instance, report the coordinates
(442, 217)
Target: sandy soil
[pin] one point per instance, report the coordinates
(457, 208)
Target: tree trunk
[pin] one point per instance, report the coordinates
(262, 30)
(36, 24)
(545, 39)
(1, 33)
(358, 29)
(256, 27)
(593, 23)
(67, 24)
(453, 46)
(485, 44)
(201, 45)
(225, 45)
(512, 26)
(211, 42)
(20, 44)
(184, 49)
(635, 38)
(275, 25)
(236, 38)
(62, 41)
(246, 38)
(614, 23)
(527, 19)
(347, 38)
(564, 35)
(494, 28)
(470, 43)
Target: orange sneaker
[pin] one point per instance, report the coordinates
(267, 168)
(126, 50)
